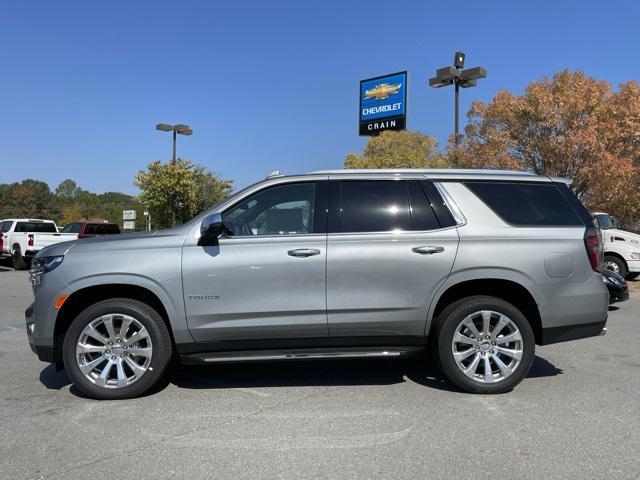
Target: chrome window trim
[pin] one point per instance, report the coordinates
(389, 232)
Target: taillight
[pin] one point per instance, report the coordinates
(594, 247)
(1, 242)
(30, 241)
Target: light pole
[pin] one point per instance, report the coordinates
(179, 128)
(459, 78)
(182, 130)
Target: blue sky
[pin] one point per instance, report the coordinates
(264, 85)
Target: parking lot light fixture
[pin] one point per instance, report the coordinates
(459, 78)
(180, 128)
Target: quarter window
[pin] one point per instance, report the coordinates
(279, 210)
(527, 204)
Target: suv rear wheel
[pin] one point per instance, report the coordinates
(118, 348)
(484, 344)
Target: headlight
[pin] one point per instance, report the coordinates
(42, 265)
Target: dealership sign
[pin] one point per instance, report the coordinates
(383, 103)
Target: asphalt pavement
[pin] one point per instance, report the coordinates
(577, 415)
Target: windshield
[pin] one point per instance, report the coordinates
(72, 228)
(604, 222)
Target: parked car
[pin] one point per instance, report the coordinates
(617, 286)
(478, 265)
(22, 238)
(92, 229)
(621, 248)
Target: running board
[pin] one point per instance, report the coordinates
(299, 354)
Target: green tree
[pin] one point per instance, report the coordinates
(29, 198)
(67, 189)
(176, 191)
(403, 149)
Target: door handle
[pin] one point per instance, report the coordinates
(427, 250)
(304, 252)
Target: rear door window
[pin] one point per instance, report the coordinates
(374, 206)
(422, 214)
(92, 229)
(101, 229)
(527, 204)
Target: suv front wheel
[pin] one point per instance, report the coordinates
(484, 344)
(117, 348)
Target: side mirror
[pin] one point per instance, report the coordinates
(211, 228)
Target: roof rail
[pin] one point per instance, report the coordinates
(275, 173)
(426, 170)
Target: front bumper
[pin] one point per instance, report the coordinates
(633, 266)
(45, 352)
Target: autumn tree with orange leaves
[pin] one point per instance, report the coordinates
(571, 126)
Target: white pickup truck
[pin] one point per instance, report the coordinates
(22, 238)
(621, 249)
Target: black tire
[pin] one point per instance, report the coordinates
(622, 266)
(446, 326)
(19, 262)
(160, 339)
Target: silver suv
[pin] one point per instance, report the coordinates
(477, 266)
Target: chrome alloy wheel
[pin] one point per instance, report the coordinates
(487, 346)
(114, 351)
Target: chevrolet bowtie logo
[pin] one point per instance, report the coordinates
(382, 91)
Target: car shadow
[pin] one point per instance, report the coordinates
(53, 379)
(302, 373)
(328, 373)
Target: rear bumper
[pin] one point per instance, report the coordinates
(572, 310)
(572, 332)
